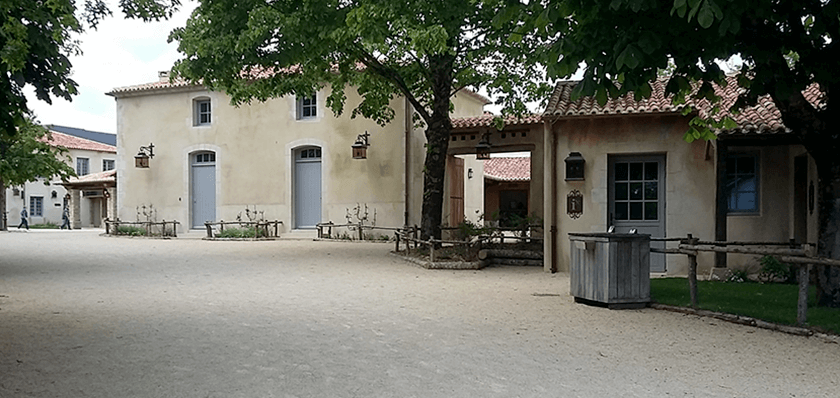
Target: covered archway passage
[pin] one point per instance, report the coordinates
(517, 136)
(99, 189)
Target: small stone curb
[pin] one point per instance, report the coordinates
(453, 265)
(242, 239)
(745, 320)
(137, 236)
(352, 240)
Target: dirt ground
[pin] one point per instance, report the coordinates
(89, 316)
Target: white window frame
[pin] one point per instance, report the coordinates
(36, 206)
(307, 107)
(108, 162)
(202, 116)
(82, 166)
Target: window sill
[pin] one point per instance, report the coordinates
(744, 214)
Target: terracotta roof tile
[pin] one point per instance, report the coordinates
(72, 142)
(508, 169)
(154, 86)
(165, 84)
(764, 117)
(487, 121)
(560, 103)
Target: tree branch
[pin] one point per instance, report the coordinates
(394, 77)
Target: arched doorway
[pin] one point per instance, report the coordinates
(307, 187)
(202, 188)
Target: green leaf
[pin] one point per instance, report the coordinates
(729, 124)
(706, 15)
(601, 96)
(691, 135)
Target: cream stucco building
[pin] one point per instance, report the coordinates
(288, 157)
(754, 183)
(45, 199)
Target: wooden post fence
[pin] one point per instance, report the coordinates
(802, 258)
(692, 272)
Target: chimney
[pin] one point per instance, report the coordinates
(163, 76)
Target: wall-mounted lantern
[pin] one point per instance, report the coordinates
(361, 145)
(574, 167)
(141, 161)
(482, 150)
(469, 174)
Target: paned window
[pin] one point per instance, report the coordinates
(36, 206)
(82, 166)
(742, 183)
(202, 112)
(207, 157)
(307, 107)
(311, 153)
(637, 191)
(107, 164)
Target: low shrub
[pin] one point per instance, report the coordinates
(773, 270)
(46, 225)
(241, 233)
(130, 230)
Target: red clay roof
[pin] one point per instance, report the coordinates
(508, 169)
(764, 117)
(72, 142)
(487, 121)
(256, 74)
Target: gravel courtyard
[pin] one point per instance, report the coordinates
(89, 316)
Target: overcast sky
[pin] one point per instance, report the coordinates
(121, 52)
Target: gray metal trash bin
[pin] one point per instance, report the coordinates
(611, 269)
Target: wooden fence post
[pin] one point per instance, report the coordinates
(802, 304)
(692, 273)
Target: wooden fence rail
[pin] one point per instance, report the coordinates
(269, 229)
(112, 227)
(326, 229)
(800, 256)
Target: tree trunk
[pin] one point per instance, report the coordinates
(3, 226)
(437, 145)
(828, 244)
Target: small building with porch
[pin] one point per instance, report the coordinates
(626, 165)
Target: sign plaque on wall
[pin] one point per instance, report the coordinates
(574, 204)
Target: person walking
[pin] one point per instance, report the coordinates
(65, 218)
(23, 216)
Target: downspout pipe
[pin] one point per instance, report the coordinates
(407, 157)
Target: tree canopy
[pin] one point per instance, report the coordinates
(423, 50)
(36, 40)
(782, 47)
